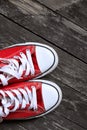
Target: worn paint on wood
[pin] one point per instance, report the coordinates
(47, 24)
(74, 10)
(70, 75)
(74, 104)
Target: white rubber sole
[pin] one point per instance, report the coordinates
(56, 58)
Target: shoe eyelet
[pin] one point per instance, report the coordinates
(27, 50)
(21, 53)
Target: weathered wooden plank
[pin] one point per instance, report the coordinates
(74, 104)
(75, 10)
(71, 71)
(48, 25)
(51, 121)
(11, 126)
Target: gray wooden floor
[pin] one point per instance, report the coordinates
(61, 24)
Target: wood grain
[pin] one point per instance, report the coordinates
(74, 10)
(73, 108)
(11, 125)
(71, 71)
(48, 25)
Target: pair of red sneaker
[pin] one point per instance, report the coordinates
(28, 98)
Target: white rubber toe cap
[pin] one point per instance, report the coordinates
(51, 96)
(47, 58)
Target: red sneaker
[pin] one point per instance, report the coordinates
(26, 61)
(28, 100)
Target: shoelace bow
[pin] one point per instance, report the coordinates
(19, 99)
(14, 69)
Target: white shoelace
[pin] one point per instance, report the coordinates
(14, 69)
(17, 98)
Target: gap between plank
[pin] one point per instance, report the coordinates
(42, 37)
(60, 15)
(49, 42)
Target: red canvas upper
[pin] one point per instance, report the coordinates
(26, 113)
(15, 51)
